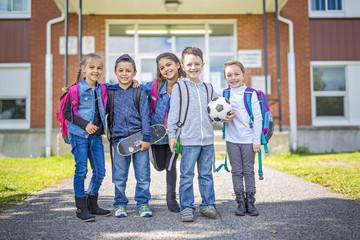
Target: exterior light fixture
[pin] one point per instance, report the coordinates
(172, 5)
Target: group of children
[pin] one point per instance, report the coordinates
(196, 136)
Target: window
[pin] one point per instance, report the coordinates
(145, 41)
(15, 96)
(326, 8)
(329, 92)
(326, 5)
(15, 8)
(12, 109)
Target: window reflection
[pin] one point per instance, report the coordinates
(222, 38)
(329, 78)
(12, 109)
(330, 106)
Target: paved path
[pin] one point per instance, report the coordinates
(290, 208)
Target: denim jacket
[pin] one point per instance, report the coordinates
(162, 101)
(86, 108)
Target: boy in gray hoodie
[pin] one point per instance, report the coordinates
(196, 138)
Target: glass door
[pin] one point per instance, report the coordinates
(144, 42)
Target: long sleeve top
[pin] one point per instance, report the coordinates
(238, 130)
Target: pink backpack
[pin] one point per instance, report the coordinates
(74, 97)
(153, 97)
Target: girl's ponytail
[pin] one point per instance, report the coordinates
(78, 76)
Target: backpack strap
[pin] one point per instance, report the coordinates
(247, 102)
(209, 90)
(260, 172)
(103, 95)
(184, 105)
(74, 100)
(136, 97)
(153, 96)
(226, 94)
(109, 122)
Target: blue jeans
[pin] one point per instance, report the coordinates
(203, 156)
(91, 148)
(120, 171)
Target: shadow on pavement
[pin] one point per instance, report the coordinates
(51, 215)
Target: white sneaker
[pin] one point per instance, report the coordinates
(120, 212)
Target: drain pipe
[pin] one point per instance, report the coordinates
(49, 85)
(292, 85)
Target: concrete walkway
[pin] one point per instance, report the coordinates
(290, 208)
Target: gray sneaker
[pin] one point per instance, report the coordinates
(208, 211)
(187, 215)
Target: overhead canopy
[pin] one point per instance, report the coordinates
(158, 6)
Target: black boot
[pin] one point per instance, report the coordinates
(94, 207)
(250, 200)
(172, 204)
(82, 211)
(241, 209)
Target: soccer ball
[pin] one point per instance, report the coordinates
(218, 108)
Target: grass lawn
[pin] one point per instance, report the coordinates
(339, 172)
(19, 178)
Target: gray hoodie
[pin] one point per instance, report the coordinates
(197, 129)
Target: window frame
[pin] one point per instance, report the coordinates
(329, 120)
(327, 13)
(17, 14)
(18, 123)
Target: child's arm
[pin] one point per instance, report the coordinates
(173, 116)
(144, 145)
(257, 122)
(147, 87)
(172, 143)
(229, 117)
(145, 122)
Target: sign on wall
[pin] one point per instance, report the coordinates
(72, 45)
(258, 82)
(250, 58)
(88, 44)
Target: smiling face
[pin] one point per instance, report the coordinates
(193, 66)
(234, 76)
(92, 70)
(169, 69)
(124, 72)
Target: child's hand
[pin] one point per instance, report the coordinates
(172, 143)
(256, 148)
(91, 128)
(135, 83)
(144, 145)
(229, 117)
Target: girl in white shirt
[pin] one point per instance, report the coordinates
(242, 140)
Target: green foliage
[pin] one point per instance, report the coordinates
(339, 171)
(19, 178)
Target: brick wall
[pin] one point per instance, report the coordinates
(41, 12)
(297, 11)
(250, 36)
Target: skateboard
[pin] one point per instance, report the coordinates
(127, 146)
